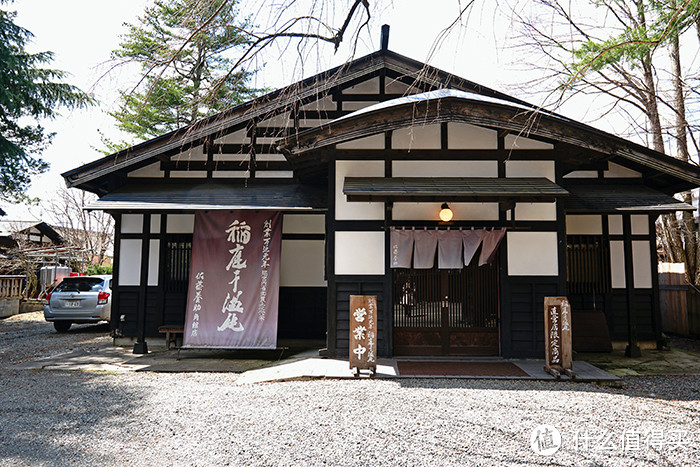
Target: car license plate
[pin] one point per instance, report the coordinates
(72, 303)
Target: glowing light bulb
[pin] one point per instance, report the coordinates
(445, 213)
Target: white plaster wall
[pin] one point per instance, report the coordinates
(325, 103)
(270, 157)
(371, 86)
(444, 169)
(617, 264)
(149, 171)
(536, 211)
(584, 224)
(155, 223)
(274, 174)
(618, 171)
(532, 254)
(530, 169)
(416, 137)
(615, 224)
(237, 137)
(430, 211)
(193, 154)
(232, 157)
(357, 105)
(582, 174)
(641, 259)
(188, 174)
(281, 121)
(359, 253)
(304, 224)
(153, 261)
(180, 223)
(302, 263)
(345, 210)
(369, 142)
(639, 224)
(397, 87)
(521, 142)
(129, 262)
(465, 136)
(132, 223)
(230, 174)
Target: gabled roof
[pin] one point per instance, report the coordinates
(272, 104)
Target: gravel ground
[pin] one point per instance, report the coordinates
(80, 418)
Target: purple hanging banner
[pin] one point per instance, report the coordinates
(234, 280)
(450, 249)
(471, 240)
(401, 248)
(424, 245)
(489, 247)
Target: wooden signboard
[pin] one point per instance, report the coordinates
(363, 333)
(557, 336)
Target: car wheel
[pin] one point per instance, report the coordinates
(61, 326)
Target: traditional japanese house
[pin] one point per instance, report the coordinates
(360, 160)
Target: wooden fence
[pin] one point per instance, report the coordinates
(680, 305)
(11, 286)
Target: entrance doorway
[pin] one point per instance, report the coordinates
(446, 311)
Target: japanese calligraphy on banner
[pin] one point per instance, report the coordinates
(557, 334)
(363, 332)
(234, 280)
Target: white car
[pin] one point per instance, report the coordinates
(81, 299)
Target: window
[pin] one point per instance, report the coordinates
(587, 264)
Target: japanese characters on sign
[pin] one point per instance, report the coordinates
(558, 353)
(363, 332)
(239, 254)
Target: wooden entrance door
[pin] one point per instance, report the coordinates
(446, 311)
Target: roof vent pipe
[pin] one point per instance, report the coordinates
(385, 37)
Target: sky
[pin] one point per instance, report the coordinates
(82, 33)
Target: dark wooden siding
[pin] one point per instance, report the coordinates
(523, 305)
(364, 285)
(302, 313)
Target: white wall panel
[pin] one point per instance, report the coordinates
(132, 223)
(416, 137)
(584, 224)
(180, 223)
(430, 211)
(394, 86)
(193, 154)
(618, 171)
(237, 137)
(302, 263)
(274, 174)
(615, 224)
(155, 223)
(280, 121)
(639, 224)
(357, 105)
(369, 142)
(465, 136)
(345, 210)
(230, 174)
(530, 169)
(617, 264)
(188, 174)
(232, 157)
(304, 223)
(326, 103)
(129, 262)
(149, 171)
(521, 142)
(536, 211)
(371, 86)
(641, 259)
(444, 169)
(359, 253)
(153, 261)
(532, 254)
(582, 174)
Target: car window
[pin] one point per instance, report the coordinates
(84, 284)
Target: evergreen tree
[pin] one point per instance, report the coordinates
(28, 92)
(184, 49)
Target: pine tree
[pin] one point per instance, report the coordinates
(28, 92)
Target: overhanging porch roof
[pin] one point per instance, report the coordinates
(451, 189)
(632, 198)
(213, 196)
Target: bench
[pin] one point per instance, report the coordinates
(171, 331)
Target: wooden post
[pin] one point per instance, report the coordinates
(557, 337)
(363, 333)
